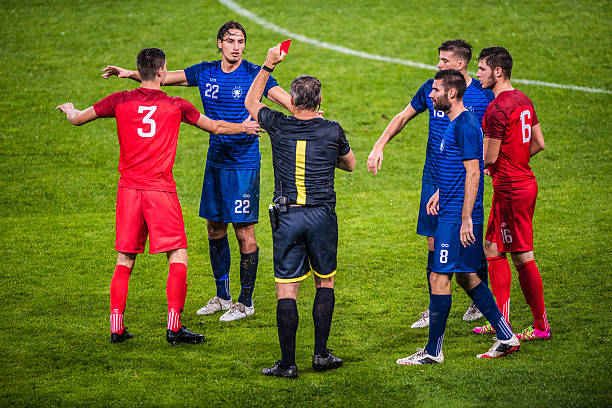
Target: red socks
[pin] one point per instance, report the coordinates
(531, 283)
(118, 297)
(501, 278)
(176, 292)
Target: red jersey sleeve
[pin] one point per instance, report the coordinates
(495, 122)
(106, 107)
(189, 113)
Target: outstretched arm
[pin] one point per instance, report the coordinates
(221, 127)
(395, 126)
(75, 116)
(177, 78)
(252, 100)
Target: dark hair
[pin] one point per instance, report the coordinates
(230, 25)
(451, 78)
(149, 61)
(460, 48)
(497, 57)
(306, 92)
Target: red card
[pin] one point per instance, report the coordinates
(285, 46)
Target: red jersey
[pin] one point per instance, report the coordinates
(509, 118)
(148, 123)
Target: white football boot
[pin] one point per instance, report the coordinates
(237, 311)
(502, 348)
(422, 322)
(215, 305)
(472, 313)
(421, 357)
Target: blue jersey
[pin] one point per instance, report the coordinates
(476, 99)
(223, 99)
(462, 140)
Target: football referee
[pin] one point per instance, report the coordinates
(306, 149)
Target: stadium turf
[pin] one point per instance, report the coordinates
(58, 189)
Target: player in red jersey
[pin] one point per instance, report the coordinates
(512, 136)
(148, 123)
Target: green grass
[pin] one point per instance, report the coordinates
(59, 185)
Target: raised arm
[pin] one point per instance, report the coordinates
(75, 116)
(536, 144)
(395, 126)
(252, 100)
(472, 178)
(221, 127)
(280, 97)
(176, 78)
(346, 162)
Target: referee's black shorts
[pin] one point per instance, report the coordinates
(306, 237)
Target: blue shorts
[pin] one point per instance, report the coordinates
(230, 195)
(450, 256)
(306, 237)
(427, 224)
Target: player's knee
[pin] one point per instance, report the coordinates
(126, 259)
(519, 258)
(324, 282)
(178, 256)
(216, 229)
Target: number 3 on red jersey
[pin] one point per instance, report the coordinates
(526, 125)
(148, 121)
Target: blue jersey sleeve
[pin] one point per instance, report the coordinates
(419, 101)
(467, 138)
(193, 72)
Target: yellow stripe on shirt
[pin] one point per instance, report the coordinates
(300, 171)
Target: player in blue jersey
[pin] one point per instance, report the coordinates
(230, 191)
(458, 238)
(453, 54)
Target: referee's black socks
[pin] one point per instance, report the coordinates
(322, 311)
(287, 322)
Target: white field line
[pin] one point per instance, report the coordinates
(322, 44)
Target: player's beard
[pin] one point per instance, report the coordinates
(490, 84)
(442, 103)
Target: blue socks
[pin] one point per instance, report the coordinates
(439, 307)
(220, 261)
(484, 301)
(248, 274)
(483, 271)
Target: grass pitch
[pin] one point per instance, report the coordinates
(59, 184)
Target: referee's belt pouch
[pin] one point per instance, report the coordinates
(273, 211)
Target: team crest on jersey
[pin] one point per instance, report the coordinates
(237, 92)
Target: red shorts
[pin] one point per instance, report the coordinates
(146, 212)
(510, 220)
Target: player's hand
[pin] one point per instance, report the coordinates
(466, 233)
(375, 160)
(433, 204)
(320, 114)
(275, 56)
(487, 172)
(113, 70)
(251, 126)
(65, 107)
